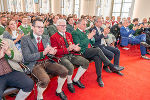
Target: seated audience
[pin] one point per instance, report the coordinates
(67, 51)
(52, 28)
(127, 37)
(24, 26)
(35, 50)
(115, 30)
(11, 74)
(70, 26)
(109, 51)
(85, 39)
(135, 23)
(13, 33)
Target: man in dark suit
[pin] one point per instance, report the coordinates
(85, 39)
(35, 48)
(109, 51)
(69, 55)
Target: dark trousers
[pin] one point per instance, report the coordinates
(16, 79)
(44, 71)
(98, 56)
(70, 60)
(110, 53)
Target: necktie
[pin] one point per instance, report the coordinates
(38, 39)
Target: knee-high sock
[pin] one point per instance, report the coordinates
(40, 92)
(22, 95)
(61, 82)
(79, 73)
(69, 79)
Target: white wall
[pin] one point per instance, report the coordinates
(56, 6)
(141, 9)
(87, 7)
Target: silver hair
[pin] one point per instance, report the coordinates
(123, 20)
(96, 19)
(60, 20)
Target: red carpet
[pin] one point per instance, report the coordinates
(134, 85)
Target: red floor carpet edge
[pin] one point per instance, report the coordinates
(134, 85)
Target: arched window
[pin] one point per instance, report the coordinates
(122, 8)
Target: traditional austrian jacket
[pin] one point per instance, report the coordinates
(57, 40)
(1, 30)
(25, 30)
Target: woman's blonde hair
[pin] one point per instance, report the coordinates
(8, 29)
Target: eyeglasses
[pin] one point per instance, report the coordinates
(39, 27)
(62, 25)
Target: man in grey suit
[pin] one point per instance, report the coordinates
(35, 48)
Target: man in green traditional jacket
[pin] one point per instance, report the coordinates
(135, 23)
(85, 40)
(3, 21)
(24, 26)
(52, 28)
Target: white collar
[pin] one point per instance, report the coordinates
(63, 34)
(2, 26)
(24, 25)
(35, 36)
(54, 24)
(80, 30)
(14, 34)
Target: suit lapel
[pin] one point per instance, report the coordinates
(96, 30)
(33, 39)
(34, 42)
(44, 41)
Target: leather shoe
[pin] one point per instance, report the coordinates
(100, 82)
(79, 84)
(106, 69)
(116, 69)
(62, 95)
(119, 73)
(71, 87)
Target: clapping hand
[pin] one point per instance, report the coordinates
(52, 51)
(90, 35)
(5, 48)
(106, 31)
(71, 47)
(76, 47)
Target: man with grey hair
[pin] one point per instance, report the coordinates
(85, 41)
(109, 51)
(69, 55)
